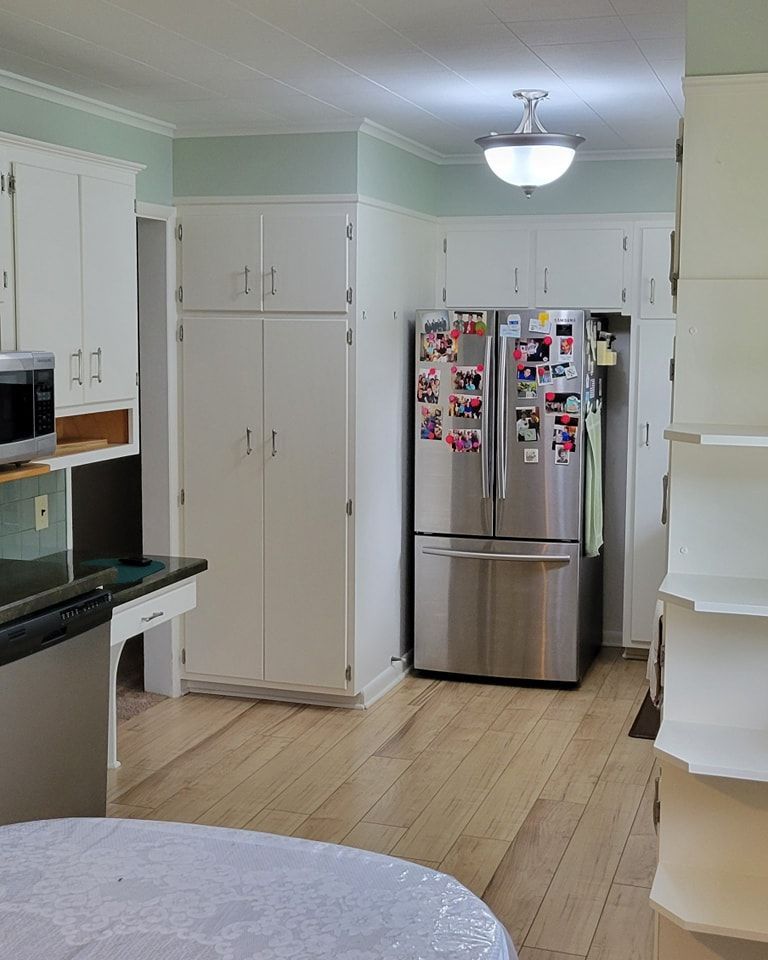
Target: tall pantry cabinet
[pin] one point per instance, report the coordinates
(275, 376)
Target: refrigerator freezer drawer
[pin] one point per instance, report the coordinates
(503, 608)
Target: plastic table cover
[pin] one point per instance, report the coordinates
(135, 890)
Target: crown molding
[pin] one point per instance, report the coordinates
(71, 153)
(395, 139)
(726, 80)
(44, 91)
(204, 131)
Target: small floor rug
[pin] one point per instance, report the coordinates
(647, 721)
(133, 700)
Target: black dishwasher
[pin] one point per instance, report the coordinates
(54, 697)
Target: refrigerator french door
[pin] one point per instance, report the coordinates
(502, 588)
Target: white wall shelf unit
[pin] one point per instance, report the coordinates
(698, 902)
(718, 434)
(708, 750)
(703, 593)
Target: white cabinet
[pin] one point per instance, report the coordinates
(305, 502)
(7, 300)
(655, 289)
(652, 347)
(110, 321)
(306, 262)
(221, 259)
(49, 303)
(487, 268)
(581, 267)
(223, 485)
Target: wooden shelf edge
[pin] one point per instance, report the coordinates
(717, 435)
(111, 452)
(685, 745)
(11, 474)
(720, 904)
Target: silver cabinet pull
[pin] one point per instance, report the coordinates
(478, 555)
(652, 295)
(247, 273)
(248, 445)
(485, 466)
(517, 286)
(98, 355)
(664, 499)
(546, 279)
(154, 616)
(274, 443)
(647, 441)
(78, 377)
(273, 278)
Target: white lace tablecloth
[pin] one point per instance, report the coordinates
(135, 890)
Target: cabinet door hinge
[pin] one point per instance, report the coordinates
(623, 294)
(350, 231)
(135, 207)
(180, 333)
(349, 294)
(2, 183)
(671, 368)
(349, 336)
(137, 378)
(5, 279)
(11, 184)
(348, 673)
(182, 497)
(445, 244)
(625, 243)
(679, 150)
(349, 508)
(444, 294)
(184, 656)
(179, 232)
(180, 293)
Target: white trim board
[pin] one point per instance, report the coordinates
(107, 111)
(71, 153)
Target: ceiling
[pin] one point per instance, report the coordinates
(439, 72)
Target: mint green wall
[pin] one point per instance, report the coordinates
(590, 186)
(726, 36)
(268, 165)
(389, 173)
(29, 116)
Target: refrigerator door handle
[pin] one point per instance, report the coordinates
(478, 555)
(501, 439)
(486, 416)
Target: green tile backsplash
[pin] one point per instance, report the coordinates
(18, 538)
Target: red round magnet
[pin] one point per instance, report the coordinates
(474, 402)
(549, 396)
(480, 367)
(432, 371)
(452, 398)
(455, 334)
(547, 340)
(565, 418)
(521, 366)
(568, 445)
(455, 368)
(518, 354)
(449, 438)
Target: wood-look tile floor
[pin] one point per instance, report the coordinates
(536, 799)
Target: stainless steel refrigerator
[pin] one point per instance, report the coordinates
(502, 586)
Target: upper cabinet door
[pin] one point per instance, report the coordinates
(487, 268)
(221, 259)
(7, 317)
(580, 268)
(110, 323)
(49, 309)
(305, 497)
(655, 288)
(306, 263)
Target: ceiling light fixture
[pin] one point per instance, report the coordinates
(530, 157)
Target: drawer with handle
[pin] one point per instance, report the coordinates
(150, 611)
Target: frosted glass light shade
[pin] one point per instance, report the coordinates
(529, 166)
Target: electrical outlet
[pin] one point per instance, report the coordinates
(41, 512)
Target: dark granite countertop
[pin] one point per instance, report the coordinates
(27, 586)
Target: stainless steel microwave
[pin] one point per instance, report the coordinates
(27, 411)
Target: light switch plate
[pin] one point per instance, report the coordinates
(41, 512)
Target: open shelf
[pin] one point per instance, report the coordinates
(718, 434)
(713, 751)
(10, 473)
(727, 905)
(708, 594)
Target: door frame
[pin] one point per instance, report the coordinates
(161, 460)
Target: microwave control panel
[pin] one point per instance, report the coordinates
(44, 404)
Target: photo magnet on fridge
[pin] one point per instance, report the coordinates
(513, 325)
(540, 323)
(433, 321)
(431, 423)
(470, 322)
(536, 350)
(544, 374)
(526, 373)
(464, 406)
(530, 455)
(565, 348)
(526, 389)
(562, 455)
(528, 424)
(559, 371)
(571, 373)
(561, 403)
(564, 329)
(469, 379)
(428, 386)
(464, 441)
(438, 347)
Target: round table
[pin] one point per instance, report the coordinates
(139, 890)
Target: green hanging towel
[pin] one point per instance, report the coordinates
(593, 495)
